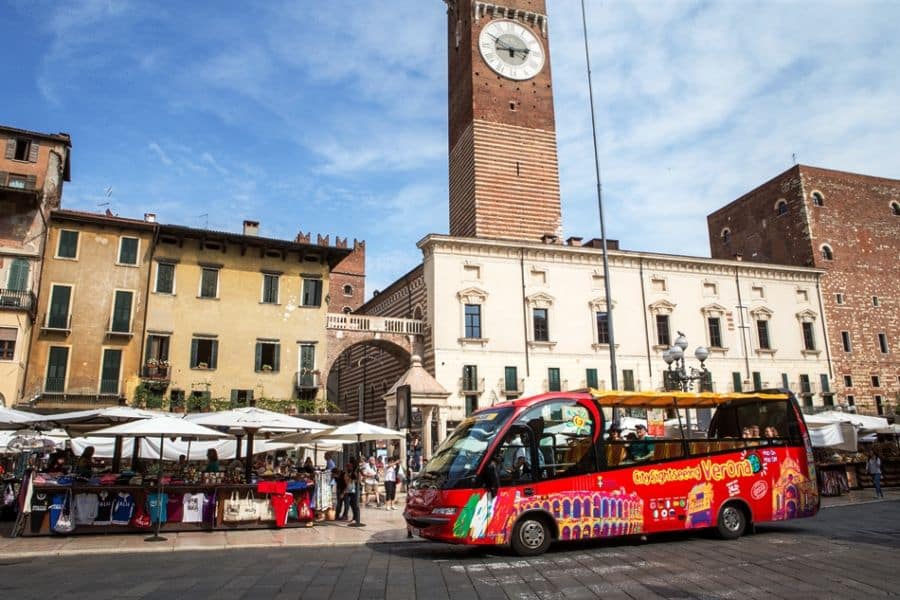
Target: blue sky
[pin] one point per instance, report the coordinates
(330, 117)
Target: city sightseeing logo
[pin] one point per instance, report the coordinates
(707, 470)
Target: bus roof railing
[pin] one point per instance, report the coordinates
(681, 399)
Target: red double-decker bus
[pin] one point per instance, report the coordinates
(554, 467)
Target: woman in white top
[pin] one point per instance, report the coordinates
(390, 484)
(873, 467)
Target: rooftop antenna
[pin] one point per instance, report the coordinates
(794, 157)
(205, 217)
(613, 369)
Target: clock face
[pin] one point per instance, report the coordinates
(511, 49)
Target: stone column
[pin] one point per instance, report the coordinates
(427, 416)
(442, 424)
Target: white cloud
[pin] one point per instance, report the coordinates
(160, 153)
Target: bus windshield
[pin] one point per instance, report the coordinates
(456, 460)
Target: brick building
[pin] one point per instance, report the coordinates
(849, 225)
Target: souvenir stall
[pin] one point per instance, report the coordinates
(173, 496)
(840, 462)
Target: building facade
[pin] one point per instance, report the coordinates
(86, 344)
(33, 169)
(849, 226)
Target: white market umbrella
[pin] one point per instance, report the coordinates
(16, 419)
(252, 420)
(162, 427)
(358, 431)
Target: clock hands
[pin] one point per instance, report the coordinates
(513, 51)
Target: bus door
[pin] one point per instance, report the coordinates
(517, 456)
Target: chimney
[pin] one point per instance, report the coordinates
(150, 217)
(573, 241)
(251, 228)
(548, 238)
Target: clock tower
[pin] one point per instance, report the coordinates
(504, 177)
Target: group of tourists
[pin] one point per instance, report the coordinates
(371, 474)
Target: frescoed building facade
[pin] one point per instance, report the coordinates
(33, 168)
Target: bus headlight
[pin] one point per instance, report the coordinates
(447, 511)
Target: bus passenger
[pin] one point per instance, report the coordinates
(642, 448)
(771, 432)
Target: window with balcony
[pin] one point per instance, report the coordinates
(268, 356)
(60, 300)
(209, 283)
(312, 292)
(57, 363)
(270, 288)
(165, 278)
(128, 251)
(68, 244)
(121, 316)
(204, 353)
(473, 321)
(18, 276)
(307, 375)
(554, 383)
(157, 356)
(110, 372)
(8, 342)
(541, 322)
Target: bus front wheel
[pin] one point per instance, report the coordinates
(732, 522)
(531, 536)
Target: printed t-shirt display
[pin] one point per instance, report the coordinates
(123, 508)
(40, 504)
(156, 507)
(192, 508)
(57, 505)
(85, 508)
(104, 508)
(174, 508)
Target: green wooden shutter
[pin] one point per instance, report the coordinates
(276, 359)
(257, 366)
(214, 354)
(757, 380)
(591, 378)
(234, 398)
(18, 275)
(112, 361)
(194, 346)
(59, 307)
(56, 369)
(511, 379)
(736, 381)
(122, 312)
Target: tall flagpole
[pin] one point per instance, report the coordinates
(613, 370)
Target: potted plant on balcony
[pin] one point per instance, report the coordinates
(267, 368)
(151, 367)
(202, 365)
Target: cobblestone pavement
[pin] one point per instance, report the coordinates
(845, 552)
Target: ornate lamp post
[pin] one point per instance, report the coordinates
(679, 377)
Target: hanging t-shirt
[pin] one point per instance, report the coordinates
(281, 506)
(104, 509)
(123, 508)
(40, 504)
(57, 506)
(85, 509)
(192, 508)
(209, 509)
(175, 508)
(156, 507)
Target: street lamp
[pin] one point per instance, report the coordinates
(679, 377)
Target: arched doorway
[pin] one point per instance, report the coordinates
(365, 371)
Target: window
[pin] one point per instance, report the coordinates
(57, 362)
(809, 338)
(802, 296)
(879, 406)
(241, 398)
(726, 236)
(473, 321)
(157, 355)
(781, 207)
(757, 380)
(60, 299)
(511, 380)
(839, 298)
(470, 378)
(882, 343)
(845, 340)
(346, 310)
(805, 387)
(209, 283)
(308, 366)
(128, 251)
(68, 244)
(875, 301)
(591, 378)
(312, 291)
(658, 284)
(563, 449)
(818, 199)
(851, 401)
(710, 289)
(663, 338)
(628, 380)
(784, 381)
(7, 343)
(18, 275)
(109, 374)
(165, 278)
(204, 353)
(757, 292)
(348, 290)
(876, 381)
(471, 403)
(541, 325)
(895, 209)
(22, 149)
(827, 252)
(270, 288)
(268, 356)
(553, 381)
(121, 317)
(602, 327)
(762, 332)
(736, 381)
(848, 381)
(715, 332)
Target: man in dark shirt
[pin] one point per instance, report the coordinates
(642, 448)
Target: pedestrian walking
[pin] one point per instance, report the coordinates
(390, 483)
(873, 468)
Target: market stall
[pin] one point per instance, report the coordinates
(839, 456)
